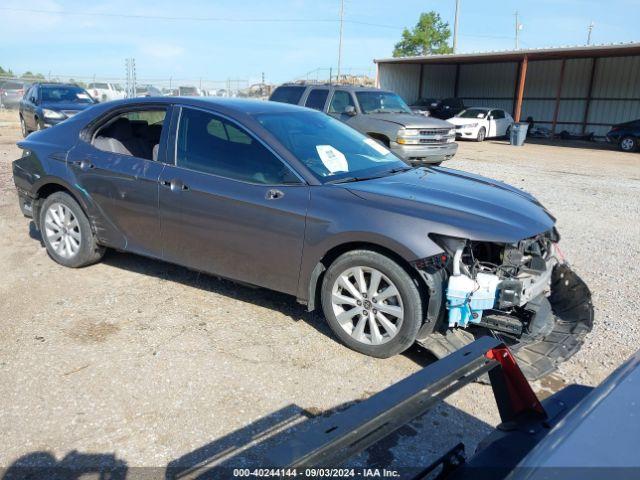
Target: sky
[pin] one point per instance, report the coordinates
(216, 40)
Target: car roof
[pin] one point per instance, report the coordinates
(249, 106)
(353, 88)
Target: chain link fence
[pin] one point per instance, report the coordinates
(13, 88)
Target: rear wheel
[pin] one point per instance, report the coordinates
(628, 143)
(482, 133)
(371, 303)
(66, 232)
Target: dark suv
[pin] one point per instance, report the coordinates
(47, 104)
(381, 115)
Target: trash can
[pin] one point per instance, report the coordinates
(518, 133)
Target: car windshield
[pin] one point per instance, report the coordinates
(65, 94)
(473, 113)
(381, 102)
(333, 151)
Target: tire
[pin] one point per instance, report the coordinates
(507, 134)
(628, 143)
(482, 133)
(435, 164)
(61, 217)
(371, 323)
(23, 127)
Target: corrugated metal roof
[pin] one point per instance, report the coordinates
(614, 49)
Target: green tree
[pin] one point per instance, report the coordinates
(429, 36)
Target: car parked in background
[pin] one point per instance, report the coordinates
(478, 123)
(147, 91)
(423, 106)
(11, 92)
(293, 200)
(189, 92)
(447, 108)
(105, 91)
(626, 136)
(379, 114)
(47, 104)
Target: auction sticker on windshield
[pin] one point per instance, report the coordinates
(381, 149)
(333, 159)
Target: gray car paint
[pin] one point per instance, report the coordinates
(228, 228)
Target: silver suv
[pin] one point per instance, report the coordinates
(381, 115)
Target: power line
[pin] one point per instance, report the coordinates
(198, 19)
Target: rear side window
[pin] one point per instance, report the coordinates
(136, 133)
(497, 114)
(287, 94)
(210, 144)
(340, 101)
(317, 98)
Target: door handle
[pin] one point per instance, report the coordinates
(175, 185)
(274, 194)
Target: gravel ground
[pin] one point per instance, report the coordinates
(138, 363)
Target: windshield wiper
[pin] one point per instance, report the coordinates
(400, 169)
(347, 180)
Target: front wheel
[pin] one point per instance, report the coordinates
(23, 127)
(371, 303)
(482, 133)
(628, 143)
(67, 233)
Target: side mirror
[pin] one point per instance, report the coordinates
(350, 110)
(34, 100)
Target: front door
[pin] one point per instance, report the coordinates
(230, 207)
(119, 174)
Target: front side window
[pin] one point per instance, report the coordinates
(135, 133)
(332, 150)
(209, 144)
(290, 95)
(340, 101)
(381, 102)
(317, 98)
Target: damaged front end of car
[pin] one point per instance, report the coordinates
(525, 293)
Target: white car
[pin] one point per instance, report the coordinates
(478, 123)
(104, 92)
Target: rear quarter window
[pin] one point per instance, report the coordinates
(287, 95)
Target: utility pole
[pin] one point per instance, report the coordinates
(340, 40)
(590, 29)
(518, 28)
(455, 28)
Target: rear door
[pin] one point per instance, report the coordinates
(317, 98)
(231, 207)
(124, 186)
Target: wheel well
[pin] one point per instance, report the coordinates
(329, 257)
(383, 138)
(46, 190)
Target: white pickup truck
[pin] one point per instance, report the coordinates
(104, 92)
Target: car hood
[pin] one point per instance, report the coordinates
(410, 120)
(459, 204)
(59, 106)
(464, 121)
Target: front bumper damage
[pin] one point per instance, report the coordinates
(532, 300)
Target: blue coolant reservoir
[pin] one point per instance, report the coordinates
(467, 298)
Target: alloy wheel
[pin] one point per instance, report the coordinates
(62, 230)
(627, 144)
(367, 305)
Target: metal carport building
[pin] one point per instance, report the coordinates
(577, 89)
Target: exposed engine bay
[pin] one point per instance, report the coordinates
(524, 293)
(500, 279)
